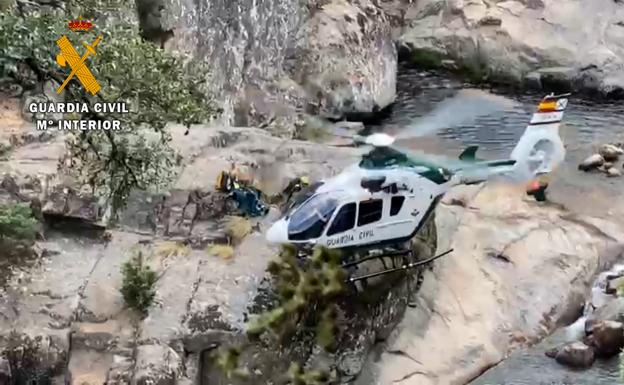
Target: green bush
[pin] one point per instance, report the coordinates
(426, 59)
(158, 88)
(17, 222)
(307, 295)
(138, 284)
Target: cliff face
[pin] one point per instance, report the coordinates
(64, 307)
(271, 60)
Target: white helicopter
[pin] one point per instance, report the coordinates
(389, 196)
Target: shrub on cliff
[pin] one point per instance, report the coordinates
(138, 283)
(307, 293)
(17, 222)
(157, 87)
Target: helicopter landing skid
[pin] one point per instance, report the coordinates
(388, 271)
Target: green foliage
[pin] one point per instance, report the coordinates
(17, 222)
(426, 59)
(31, 40)
(227, 362)
(474, 70)
(312, 285)
(157, 87)
(299, 376)
(307, 292)
(314, 130)
(5, 5)
(620, 289)
(474, 73)
(138, 284)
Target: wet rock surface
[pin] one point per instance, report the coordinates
(606, 160)
(607, 338)
(602, 314)
(576, 355)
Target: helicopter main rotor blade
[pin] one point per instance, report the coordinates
(502, 170)
(434, 160)
(463, 108)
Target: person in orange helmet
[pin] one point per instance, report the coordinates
(537, 187)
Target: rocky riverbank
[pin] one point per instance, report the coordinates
(519, 270)
(606, 160)
(481, 299)
(585, 352)
(560, 45)
(338, 57)
(77, 329)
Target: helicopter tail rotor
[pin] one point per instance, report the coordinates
(378, 139)
(540, 149)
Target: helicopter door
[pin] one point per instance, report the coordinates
(340, 232)
(369, 217)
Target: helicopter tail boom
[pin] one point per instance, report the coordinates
(483, 171)
(538, 152)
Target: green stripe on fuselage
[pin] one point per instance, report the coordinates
(386, 157)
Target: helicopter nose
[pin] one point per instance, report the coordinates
(278, 233)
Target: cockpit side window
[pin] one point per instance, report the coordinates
(345, 219)
(300, 197)
(310, 219)
(395, 204)
(370, 211)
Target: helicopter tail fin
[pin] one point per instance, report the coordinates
(540, 149)
(469, 154)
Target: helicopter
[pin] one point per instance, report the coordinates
(380, 205)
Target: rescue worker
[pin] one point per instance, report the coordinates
(295, 185)
(537, 187)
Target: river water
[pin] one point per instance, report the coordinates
(532, 367)
(586, 125)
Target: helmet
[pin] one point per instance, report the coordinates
(304, 180)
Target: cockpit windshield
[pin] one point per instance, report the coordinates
(311, 218)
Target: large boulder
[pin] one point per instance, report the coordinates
(64, 203)
(610, 152)
(552, 42)
(333, 57)
(611, 309)
(592, 162)
(156, 365)
(576, 355)
(5, 371)
(524, 267)
(346, 58)
(607, 338)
